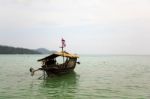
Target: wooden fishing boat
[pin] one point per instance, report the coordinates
(50, 64)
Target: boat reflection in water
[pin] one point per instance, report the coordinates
(60, 86)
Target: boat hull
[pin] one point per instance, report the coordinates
(55, 71)
(61, 69)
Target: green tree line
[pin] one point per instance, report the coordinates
(16, 50)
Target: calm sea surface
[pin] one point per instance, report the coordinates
(97, 77)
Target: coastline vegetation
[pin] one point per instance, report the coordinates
(16, 50)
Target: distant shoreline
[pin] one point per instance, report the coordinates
(17, 50)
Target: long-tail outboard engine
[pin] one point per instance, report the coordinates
(32, 71)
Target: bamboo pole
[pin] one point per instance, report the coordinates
(63, 54)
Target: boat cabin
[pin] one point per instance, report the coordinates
(50, 63)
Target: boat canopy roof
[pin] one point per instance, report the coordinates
(63, 54)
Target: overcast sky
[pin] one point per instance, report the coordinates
(88, 26)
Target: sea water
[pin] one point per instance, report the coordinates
(97, 77)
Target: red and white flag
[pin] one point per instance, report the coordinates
(63, 42)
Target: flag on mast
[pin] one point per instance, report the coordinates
(63, 43)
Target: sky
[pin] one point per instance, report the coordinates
(88, 26)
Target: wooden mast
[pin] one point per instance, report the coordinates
(63, 53)
(62, 46)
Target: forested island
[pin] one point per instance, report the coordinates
(17, 50)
